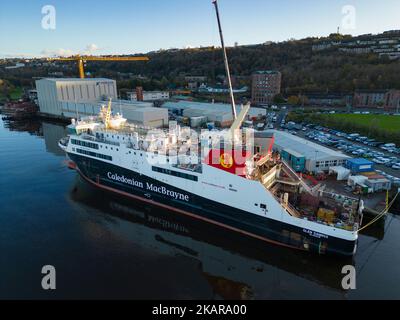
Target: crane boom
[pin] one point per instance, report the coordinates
(81, 59)
(228, 72)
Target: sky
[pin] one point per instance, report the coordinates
(133, 26)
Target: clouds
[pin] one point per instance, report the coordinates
(57, 53)
(90, 49)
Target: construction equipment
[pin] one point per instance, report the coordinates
(228, 72)
(82, 59)
(108, 115)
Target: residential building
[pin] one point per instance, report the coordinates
(265, 86)
(387, 99)
(328, 99)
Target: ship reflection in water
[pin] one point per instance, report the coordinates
(114, 247)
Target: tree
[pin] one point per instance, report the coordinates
(293, 100)
(279, 99)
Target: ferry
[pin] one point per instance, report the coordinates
(244, 187)
(228, 178)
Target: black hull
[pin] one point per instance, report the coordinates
(143, 188)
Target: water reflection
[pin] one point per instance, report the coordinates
(51, 132)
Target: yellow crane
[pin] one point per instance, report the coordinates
(82, 59)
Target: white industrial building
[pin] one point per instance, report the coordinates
(149, 95)
(53, 92)
(77, 98)
(318, 158)
(142, 113)
(220, 113)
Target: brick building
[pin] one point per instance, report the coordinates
(265, 86)
(387, 99)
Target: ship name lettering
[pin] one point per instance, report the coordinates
(165, 191)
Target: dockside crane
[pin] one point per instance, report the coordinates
(82, 59)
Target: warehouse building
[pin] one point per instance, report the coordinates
(317, 158)
(220, 113)
(53, 92)
(360, 165)
(142, 113)
(147, 116)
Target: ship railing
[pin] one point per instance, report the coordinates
(292, 211)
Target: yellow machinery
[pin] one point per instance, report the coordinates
(108, 115)
(82, 59)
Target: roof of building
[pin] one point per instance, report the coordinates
(293, 153)
(360, 161)
(76, 79)
(375, 181)
(214, 107)
(263, 134)
(307, 148)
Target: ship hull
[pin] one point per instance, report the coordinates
(143, 188)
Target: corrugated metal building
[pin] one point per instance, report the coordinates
(148, 116)
(318, 158)
(52, 92)
(296, 160)
(360, 165)
(220, 113)
(142, 113)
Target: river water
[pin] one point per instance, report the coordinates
(108, 247)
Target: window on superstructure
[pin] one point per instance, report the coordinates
(94, 154)
(175, 174)
(85, 144)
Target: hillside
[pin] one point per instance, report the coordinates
(303, 68)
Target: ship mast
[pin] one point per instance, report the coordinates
(228, 73)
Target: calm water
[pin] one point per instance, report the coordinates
(108, 247)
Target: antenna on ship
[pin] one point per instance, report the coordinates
(228, 73)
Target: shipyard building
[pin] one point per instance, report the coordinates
(52, 92)
(304, 155)
(200, 113)
(76, 98)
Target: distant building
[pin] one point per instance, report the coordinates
(52, 92)
(192, 85)
(149, 96)
(205, 89)
(387, 99)
(385, 44)
(328, 99)
(193, 82)
(265, 86)
(17, 66)
(219, 113)
(195, 79)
